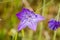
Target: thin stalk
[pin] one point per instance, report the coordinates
(22, 33)
(57, 18)
(40, 34)
(16, 36)
(41, 26)
(43, 7)
(54, 37)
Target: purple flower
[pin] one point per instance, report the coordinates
(53, 24)
(28, 18)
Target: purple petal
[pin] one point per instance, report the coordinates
(27, 11)
(38, 18)
(21, 14)
(32, 25)
(21, 25)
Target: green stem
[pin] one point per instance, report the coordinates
(54, 37)
(41, 26)
(16, 36)
(23, 36)
(22, 33)
(40, 34)
(57, 17)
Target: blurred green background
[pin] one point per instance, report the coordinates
(9, 22)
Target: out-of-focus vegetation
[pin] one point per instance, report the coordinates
(9, 22)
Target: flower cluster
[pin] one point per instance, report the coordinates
(30, 19)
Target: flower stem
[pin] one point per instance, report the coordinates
(22, 33)
(57, 17)
(41, 25)
(16, 36)
(54, 35)
(40, 34)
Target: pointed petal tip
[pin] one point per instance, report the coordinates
(18, 29)
(24, 9)
(16, 14)
(43, 18)
(34, 30)
(32, 27)
(40, 17)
